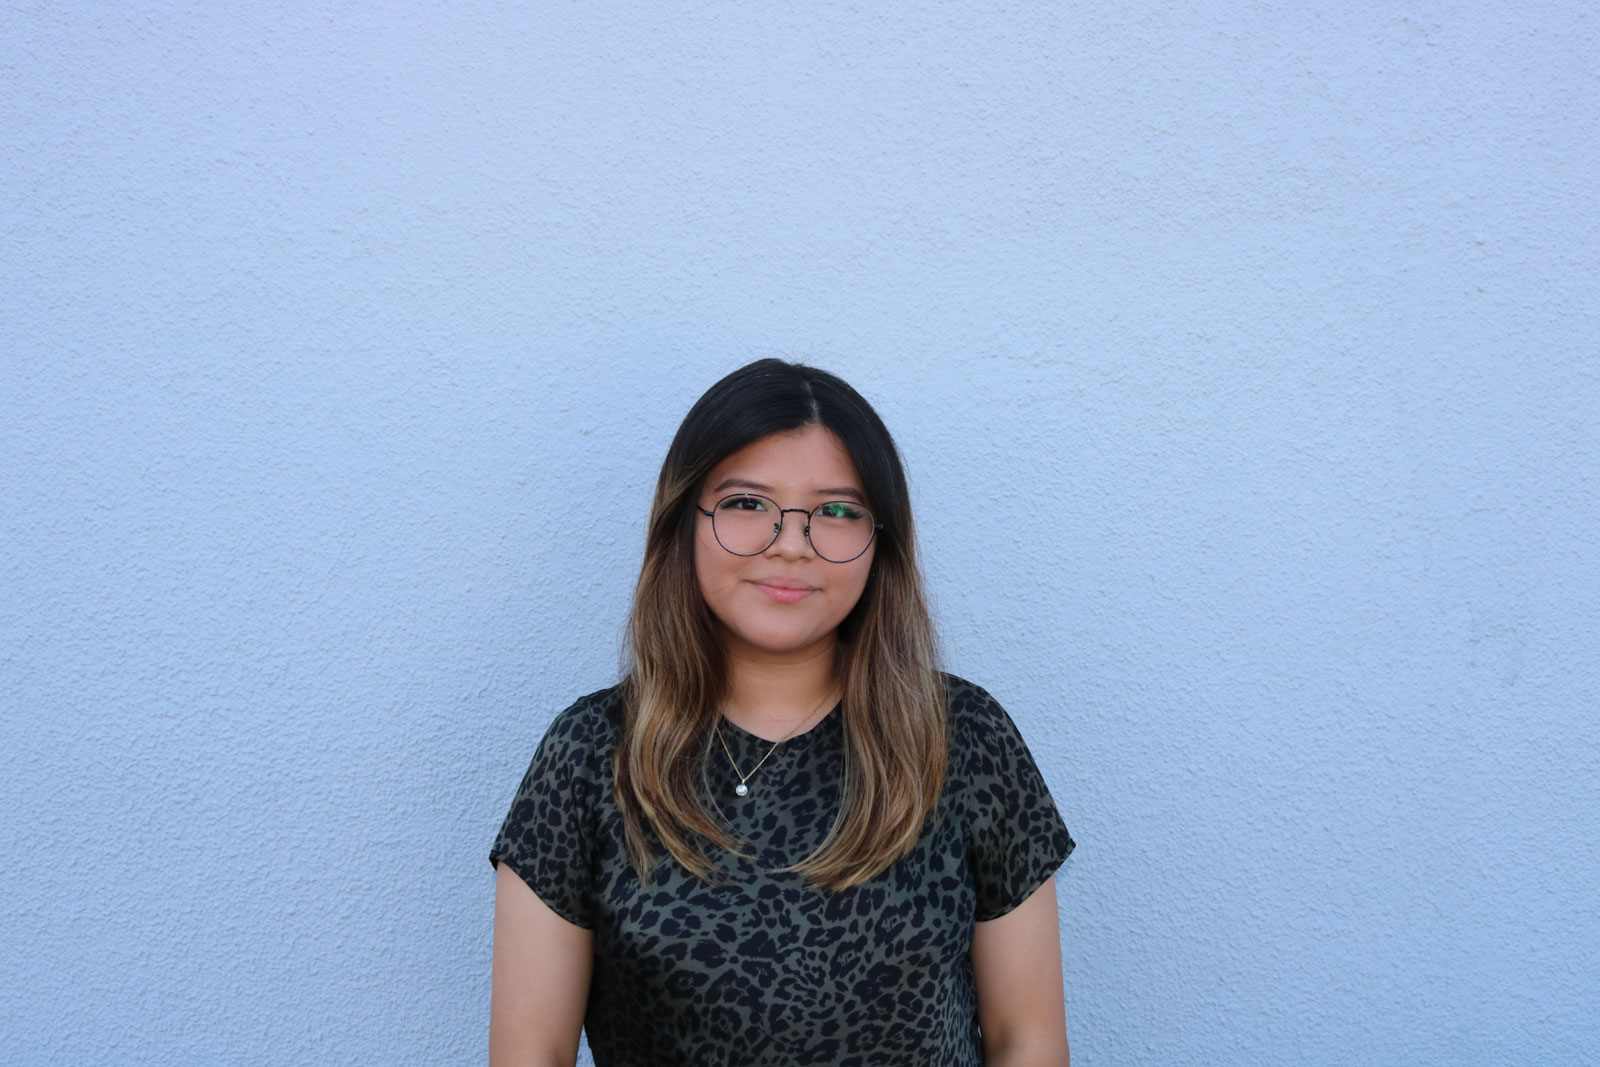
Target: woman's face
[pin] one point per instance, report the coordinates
(785, 601)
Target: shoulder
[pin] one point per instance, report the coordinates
(972, 710)
(571, 765)
(984, 741)
(586, 729)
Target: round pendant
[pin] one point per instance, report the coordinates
(741, 790)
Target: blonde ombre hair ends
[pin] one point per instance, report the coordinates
(893, 707)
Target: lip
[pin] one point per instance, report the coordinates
(784, 590)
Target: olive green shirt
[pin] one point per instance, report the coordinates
(762, 969)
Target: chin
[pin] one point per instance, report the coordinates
(778, 641)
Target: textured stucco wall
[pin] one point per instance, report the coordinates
(1244, 357)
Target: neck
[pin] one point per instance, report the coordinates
(767, 695)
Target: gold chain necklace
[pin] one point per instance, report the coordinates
(743, 788)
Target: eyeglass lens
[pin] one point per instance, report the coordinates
(746, 524)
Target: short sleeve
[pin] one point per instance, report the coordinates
(548, 836)
(1016, 838)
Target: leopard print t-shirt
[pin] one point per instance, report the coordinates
(762, 969)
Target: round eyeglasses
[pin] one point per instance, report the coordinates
(747, 525)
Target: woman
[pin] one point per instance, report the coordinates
(785, 838)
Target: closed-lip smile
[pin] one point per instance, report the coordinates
(784, 590)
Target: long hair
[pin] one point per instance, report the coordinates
(893, 708)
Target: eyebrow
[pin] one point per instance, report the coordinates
(843, 492)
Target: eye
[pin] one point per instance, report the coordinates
(839, 509)
(742, 503)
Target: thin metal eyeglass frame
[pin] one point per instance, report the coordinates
(777, 527)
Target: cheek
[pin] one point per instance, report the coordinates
(861, 570)
(710, 562)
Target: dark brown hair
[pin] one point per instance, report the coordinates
(893, 708)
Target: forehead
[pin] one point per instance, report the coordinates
(808, 460)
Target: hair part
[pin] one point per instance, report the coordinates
(894, 717)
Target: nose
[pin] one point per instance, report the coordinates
(793, 538)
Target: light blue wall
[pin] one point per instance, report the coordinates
(1244, 357)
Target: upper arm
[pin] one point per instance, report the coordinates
(1016, 961)
(1015, 836)
(541, 972)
